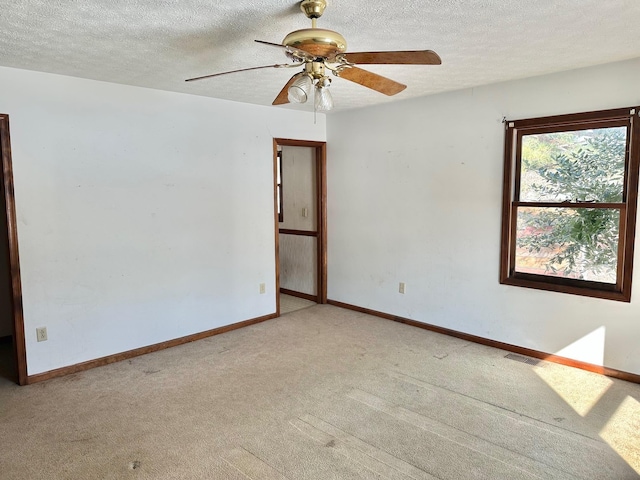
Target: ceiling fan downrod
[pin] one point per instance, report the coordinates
(313, 9)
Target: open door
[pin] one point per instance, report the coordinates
(10, 283)
(300, 219)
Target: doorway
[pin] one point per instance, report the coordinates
(300, 223)
(13, 363)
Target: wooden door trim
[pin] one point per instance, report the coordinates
(19, 345)
(321, 163)
(304, 296)
(277, 224)
(321, 193)
(300, 233)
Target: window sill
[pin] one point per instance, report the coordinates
(606, 291)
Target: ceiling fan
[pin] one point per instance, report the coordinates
(321, 51)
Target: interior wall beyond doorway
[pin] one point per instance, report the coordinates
(299, 252)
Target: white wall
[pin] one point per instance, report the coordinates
(143, 215)
(414, 195)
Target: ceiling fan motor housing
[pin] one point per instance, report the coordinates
(317, 41)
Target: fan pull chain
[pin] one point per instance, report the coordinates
(315, 109)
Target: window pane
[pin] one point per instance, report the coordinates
(581, 165)
(577, 243)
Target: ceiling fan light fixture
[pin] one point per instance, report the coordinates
(300, 90)
(320, 51)
(323, 100)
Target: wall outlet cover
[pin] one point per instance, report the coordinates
(41, 334)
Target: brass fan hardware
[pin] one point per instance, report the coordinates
(313, 9)
(320, 51)
(316, 41)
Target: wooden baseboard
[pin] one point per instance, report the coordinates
(293, 293)
(610, 372)
(99, 362)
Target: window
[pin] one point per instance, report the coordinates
(569, 203)
(279, 187)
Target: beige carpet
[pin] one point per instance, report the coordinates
(322, 393)
(289, 303)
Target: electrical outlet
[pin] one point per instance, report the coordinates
(263, 288)
(401, 288)
(41, 334)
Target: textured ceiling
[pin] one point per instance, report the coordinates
(160, 43)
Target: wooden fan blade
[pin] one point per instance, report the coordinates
(271, 44)
(296, 52)
(236, 71)
(409, 57)
(372, 80)
(283, 96)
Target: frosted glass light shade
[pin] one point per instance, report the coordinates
(300, 89)
(324, 100)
